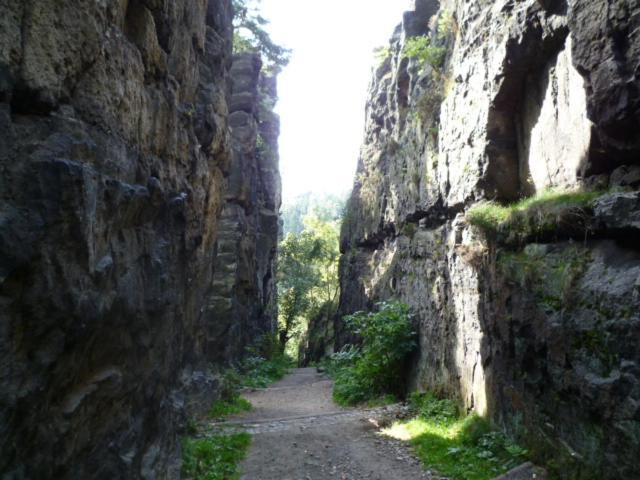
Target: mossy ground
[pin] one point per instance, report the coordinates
(538, 215)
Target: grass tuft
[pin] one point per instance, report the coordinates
(459, 447)
(537, 215)
(215, 457)
(222, 408)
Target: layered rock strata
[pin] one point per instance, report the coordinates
(114, 148)
(244, 305)
(540, 334)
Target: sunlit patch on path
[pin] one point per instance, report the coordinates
(300, 433)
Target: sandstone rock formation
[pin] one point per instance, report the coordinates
(244, 305)
(532, 95)
(114, 148)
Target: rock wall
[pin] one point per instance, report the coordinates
(244, 306)
(114, 148)
(540, 334)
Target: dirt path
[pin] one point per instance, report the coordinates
(300, 434)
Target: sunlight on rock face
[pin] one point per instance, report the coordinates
(556, 119)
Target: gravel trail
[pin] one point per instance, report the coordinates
(299, 433)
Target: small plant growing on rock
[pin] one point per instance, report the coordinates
(380, 54)
(422, 49)
(446, 24)
(546, 213)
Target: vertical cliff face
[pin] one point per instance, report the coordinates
(537, 332)
(244, 304)
(114, 148)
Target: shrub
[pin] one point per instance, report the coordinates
(421, 49)
(429, 406)
(340, 360)
(387, 339)
(258, 372)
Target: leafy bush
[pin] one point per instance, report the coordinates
(215, 457)
(421, 49)
(429, 406)
(338, 361)
(259, 372)
(387, 339)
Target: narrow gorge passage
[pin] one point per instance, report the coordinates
(192, 203)
(300, 433)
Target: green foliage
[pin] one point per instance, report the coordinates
(422, 49)
(250, 36)
(537, 215)
(259, 372)
(387, 339)
(459, 447)
(430, 407)
(263, 365)
(214, 457)
(192, 426)
(446, 24)
(380, 54)
(222, 408)
(340, 360)
(307, 278)
(242, 44)
(230, 384)
(327, 207)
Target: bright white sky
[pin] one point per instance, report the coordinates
(323, 90)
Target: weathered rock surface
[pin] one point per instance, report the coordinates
(114, 147)
(532, 95)
(244, 305)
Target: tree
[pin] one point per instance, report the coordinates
(307, 276)
(328, 207)
(250, 36)
(297, 277)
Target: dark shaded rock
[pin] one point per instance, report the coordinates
(114, 146)
(526, 471)
(605, 51)
(619, 211)
(626, 176)
(244, 306)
